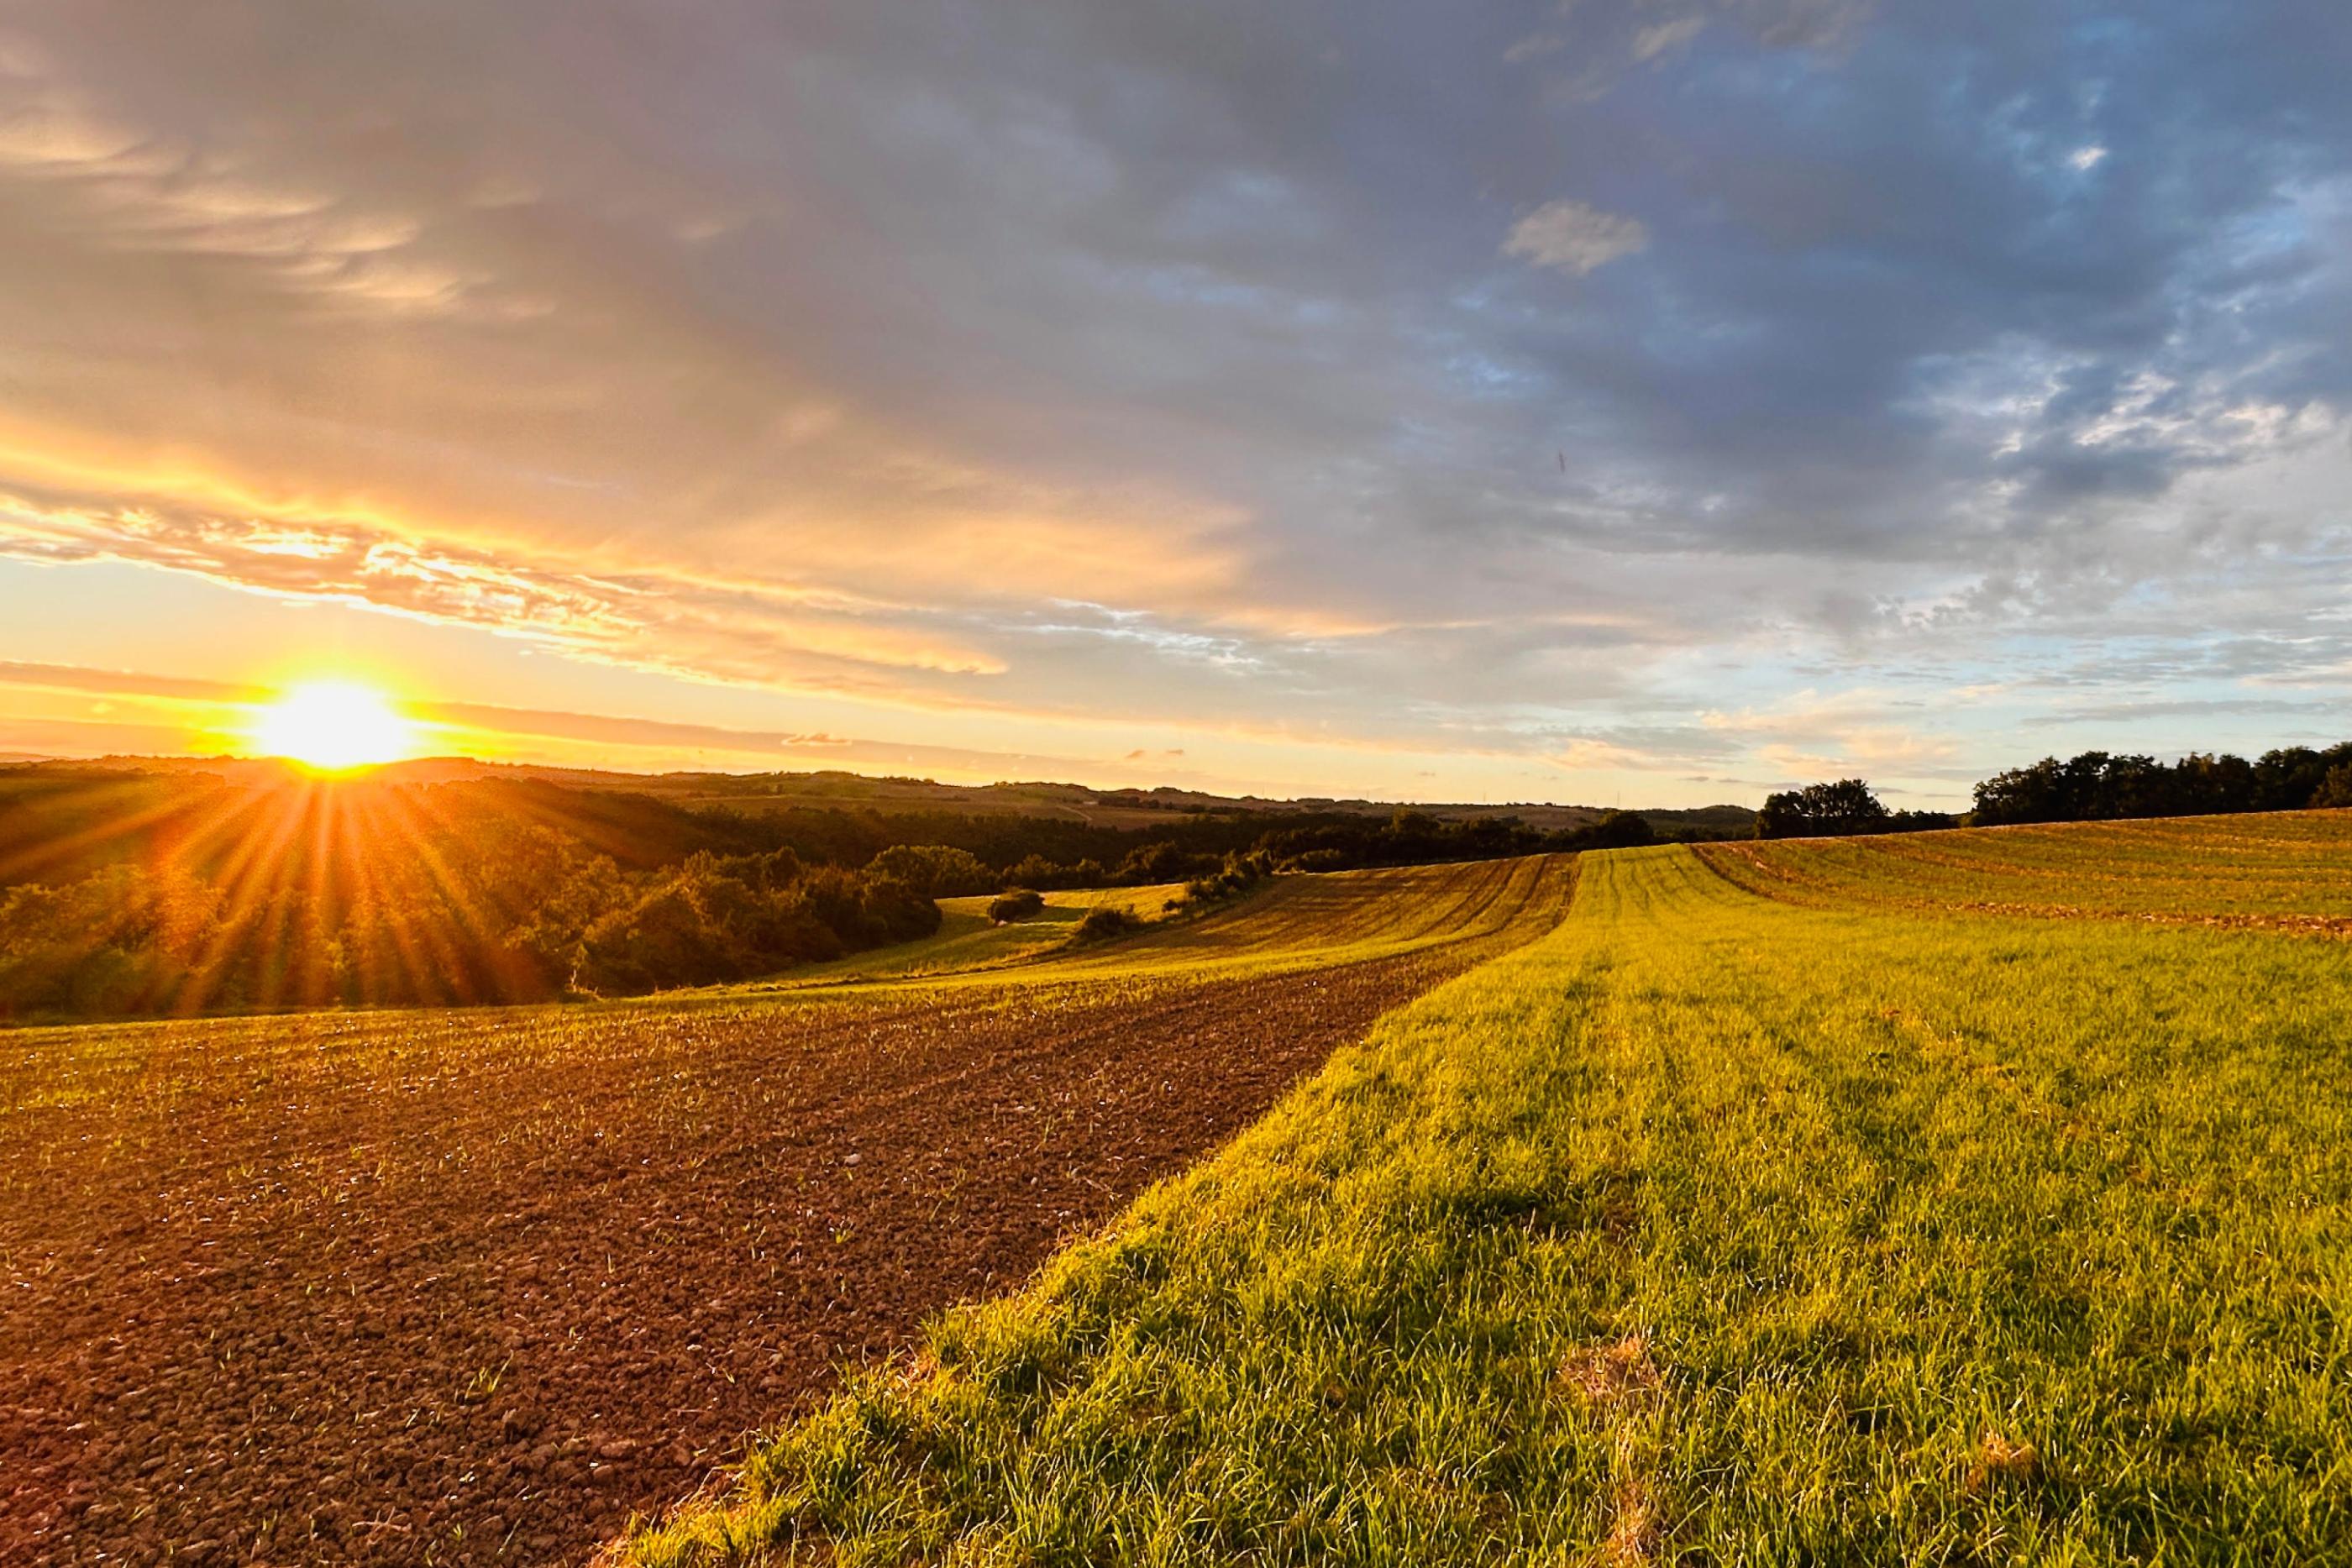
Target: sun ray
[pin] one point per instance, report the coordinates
(410, 821)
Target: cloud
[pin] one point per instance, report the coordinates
(1582, 752)
(1649, 43)
(1860, 731)
(1143, 365)
(131, 191)
(127, 683)
(751, 631)
(1574, 238)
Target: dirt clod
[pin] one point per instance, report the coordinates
(1997, 1458)
(1601, 1373)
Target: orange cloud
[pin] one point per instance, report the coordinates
(741, 632)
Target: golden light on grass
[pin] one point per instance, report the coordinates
(335, 726)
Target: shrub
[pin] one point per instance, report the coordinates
(1237, 876)
(719, 919)
(1016, 904)
(1106, 921)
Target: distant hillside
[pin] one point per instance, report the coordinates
(60, 822)
(1122, 808)
(1115, 808)
(756, 793)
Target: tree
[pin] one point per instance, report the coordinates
(935, 870)
(1161, 862)
(2097, 786)
(1822, 811)
(2035, 794)
(1036, 871)
(1619, 830)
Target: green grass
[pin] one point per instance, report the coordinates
(1710, 1229)
(1291, 923)
(2287, 868)
(969, 941)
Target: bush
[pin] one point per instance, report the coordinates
(1016, 904)
(898, 913)
(1106, 921)
(1237, 876)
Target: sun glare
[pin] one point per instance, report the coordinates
(335, 725)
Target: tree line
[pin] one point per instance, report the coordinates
(2096, 786)
(2092, 787)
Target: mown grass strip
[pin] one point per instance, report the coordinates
(1709, 1230)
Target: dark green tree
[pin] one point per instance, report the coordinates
(1822, 811)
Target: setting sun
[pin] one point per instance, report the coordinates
(335, 725)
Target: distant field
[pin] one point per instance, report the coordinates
(968, 941)
(1286, 924)
(1860, 1223)
(1350, 916)
(471, 1285)
(2288, 870)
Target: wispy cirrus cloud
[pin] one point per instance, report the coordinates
(746, 631)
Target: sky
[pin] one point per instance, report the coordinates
(1632, 401)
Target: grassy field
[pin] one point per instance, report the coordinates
(1828, 1226)
(968, 940)
(2284, 870)
(1288, 923)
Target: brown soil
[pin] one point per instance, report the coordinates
(474, 1287)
